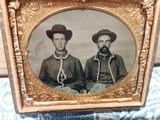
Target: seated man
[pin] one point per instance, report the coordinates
(61, 70)
(105, 68)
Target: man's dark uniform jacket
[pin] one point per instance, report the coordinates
(66, 65)
(106, 70)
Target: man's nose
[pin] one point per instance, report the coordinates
(59, 41)
(104, 43)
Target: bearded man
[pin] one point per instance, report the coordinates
(105, 68)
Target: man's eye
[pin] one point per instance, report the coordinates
(62, 38)
(55, 39)
(108, 40)
(100, 41)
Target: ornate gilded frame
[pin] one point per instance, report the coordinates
(22, 16)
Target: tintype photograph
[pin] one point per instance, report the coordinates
(79, 54)
(81, 51)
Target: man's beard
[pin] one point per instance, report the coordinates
(104, 50)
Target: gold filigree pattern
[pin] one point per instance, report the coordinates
(148, 9)
(19, 61)
(137, 17)
(80, 0)
(117, 11)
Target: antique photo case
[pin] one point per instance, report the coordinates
(79, 54)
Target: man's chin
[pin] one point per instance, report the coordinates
(61, 50)
(104, 50)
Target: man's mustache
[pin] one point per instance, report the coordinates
(104, 50)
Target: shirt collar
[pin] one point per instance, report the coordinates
(61, 56)
(98, 55)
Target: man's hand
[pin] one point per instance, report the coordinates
(97, 88)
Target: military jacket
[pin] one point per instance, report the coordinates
(116, 69)
(63, 70)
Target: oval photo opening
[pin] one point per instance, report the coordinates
(81, 52)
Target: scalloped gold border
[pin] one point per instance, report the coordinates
(120, 13)
(26, 15)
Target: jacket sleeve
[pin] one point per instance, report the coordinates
(121, 68)
(87, 70)
(88, 76)
(42, 73)
(79, 71)
(78, 83)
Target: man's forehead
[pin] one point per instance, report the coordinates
(58, 34)
(105, 37)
